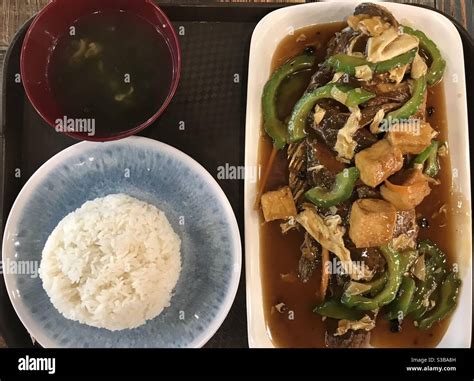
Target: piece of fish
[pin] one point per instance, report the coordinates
(335, 118)
(310, 258)
(351, 339)
(376, 10)
(296, 155)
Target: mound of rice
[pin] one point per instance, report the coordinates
(112, 263)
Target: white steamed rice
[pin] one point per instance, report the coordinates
(113, 263)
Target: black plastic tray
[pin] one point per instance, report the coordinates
(215, 47)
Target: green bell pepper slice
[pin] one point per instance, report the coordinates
(352, 98)
(430, 157)
(347, 64)
(438, 64)
(274, 127)
(399, 307)
(434, 273)
(335, 309)
(413, 104)
(389, 292)
(396, 62)
(340, 192)
(449, 291)
(377, 285)
(373, 287)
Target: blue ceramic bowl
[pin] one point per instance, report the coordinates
(154, 172)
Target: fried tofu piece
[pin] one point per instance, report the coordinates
(378, 162)
(406, 189)
(411, 137)
(278, 205)
(372, 222)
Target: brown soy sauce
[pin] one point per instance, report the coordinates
(113, 68)
(279, 254)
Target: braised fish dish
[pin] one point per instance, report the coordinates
(355, 192)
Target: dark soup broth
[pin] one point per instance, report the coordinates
(112, 67)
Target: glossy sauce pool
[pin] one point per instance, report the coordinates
(299, 326)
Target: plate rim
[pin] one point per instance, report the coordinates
(38, 176)
(257, 330)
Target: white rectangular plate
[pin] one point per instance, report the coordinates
(266, 37)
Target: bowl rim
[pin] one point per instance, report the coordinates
(138, 141)
(177, 68)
